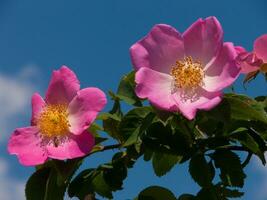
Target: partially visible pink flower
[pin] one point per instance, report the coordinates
(184, 72)
(252, 61)
(59, 122)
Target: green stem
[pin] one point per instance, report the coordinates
(104, 148)
(233, 148)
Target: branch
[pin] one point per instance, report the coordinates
(113, 146)
(233, 148)
(103, 148)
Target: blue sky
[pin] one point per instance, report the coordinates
(93, 38)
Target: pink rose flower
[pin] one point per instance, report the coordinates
(59, 122)
(184, 72)
(252, 61)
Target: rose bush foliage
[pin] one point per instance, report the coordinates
(181, 109)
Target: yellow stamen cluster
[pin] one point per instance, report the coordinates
(53, 121)
(187, 74)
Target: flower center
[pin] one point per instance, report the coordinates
(53, 121)
(187, 74)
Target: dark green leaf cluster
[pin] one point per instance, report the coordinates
(210, 144)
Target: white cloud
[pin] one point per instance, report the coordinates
(259, 186)
(15, 95)
(10, 189)
(15, 99)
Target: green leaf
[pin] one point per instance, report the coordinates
(160, 138)
(245, 108)
(261, 130)
(231, 193)
(44, 184)
(163, 163)
(263, 101)
(187, 197)
(214, 121)
(163, 116)
(126, 90)
(111, 120)
(156, 193)
(209, 194)
(248, 141)
(148, 154)
(94, 130)
(101, 187)
(99, 139)
(88, 182)
(218, 192)
(116, 109)
(81, 185)
(105, 116)
(140, 130)
(230, 166)
(220, 113)
(111, 127)
(133, 138)
(103, 180)
(36, 185)
(201, 171)
(134, 123)
(182, 136)
(215, 142)
(114, 176)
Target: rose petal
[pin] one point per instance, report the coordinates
(248, 61)
(247, 68)
(76, 146)
(203, 39)
(37, 106)
(260, 47)
(63, 86)
(159, 49)
(240, 49)
(26, 144)
(84, 108)
(223, 71)
(155, 86)
(204, 101)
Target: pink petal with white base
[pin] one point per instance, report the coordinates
(157, 87)
(84, 108)
(159, 49)
(251, 64)
(223, 71)
(260, 47)
(63, 86)
(37, 107)
(26, 144)
(205, 101)
(248, 61)
(203, 39)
